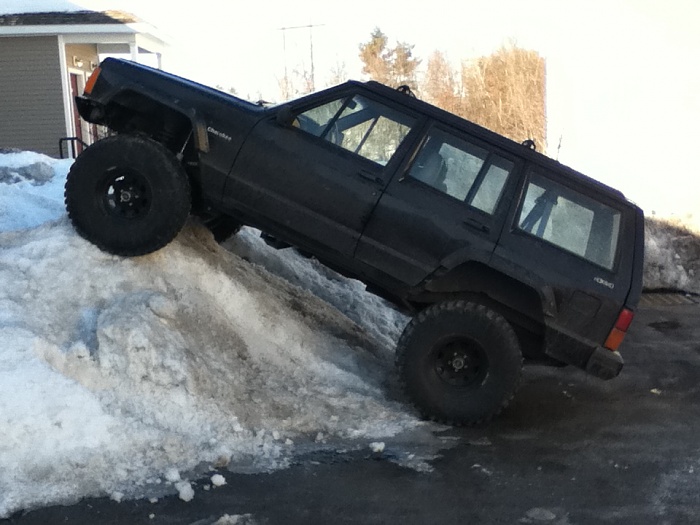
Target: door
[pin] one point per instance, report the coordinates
(75, 87)
(443, 209)
(316, 181)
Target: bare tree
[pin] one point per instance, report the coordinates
(230, 90)
(285, 86)
(440, 86)
(505, 92)
(300, 82)
(338, 74)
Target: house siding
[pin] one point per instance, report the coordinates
(31, 100)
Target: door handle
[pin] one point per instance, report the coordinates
(477, 225)
(368, 175)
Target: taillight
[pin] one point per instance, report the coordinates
(91, 81)
(617, 334)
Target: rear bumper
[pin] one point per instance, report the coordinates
(604, 363)
(575, 351)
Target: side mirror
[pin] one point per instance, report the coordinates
(285, 117)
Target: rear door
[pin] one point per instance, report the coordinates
(316, 181)
(446, 205)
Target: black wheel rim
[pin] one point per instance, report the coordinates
(460, 362)
(126, 194)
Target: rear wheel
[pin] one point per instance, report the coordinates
(459, 362)
(128, 195)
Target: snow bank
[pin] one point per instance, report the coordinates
(29, 193)
(349, 296)
(672, 256)
(129, 376)
(125, 376)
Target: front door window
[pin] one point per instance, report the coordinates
(358, 124)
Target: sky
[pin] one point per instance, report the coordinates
(623, 83)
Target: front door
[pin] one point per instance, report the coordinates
(316, 181)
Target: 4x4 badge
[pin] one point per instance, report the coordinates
(602, 281)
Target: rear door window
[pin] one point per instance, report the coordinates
(570, 220)
(463, 170)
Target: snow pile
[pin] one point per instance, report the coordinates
(672, 256)
(349, 296)
(218, 480)
(29, 194)
(127, 376)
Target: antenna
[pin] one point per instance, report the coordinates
(310, 27)
(561, 137)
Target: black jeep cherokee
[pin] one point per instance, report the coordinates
(501, 253)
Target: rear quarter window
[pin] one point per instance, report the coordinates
(570, 220)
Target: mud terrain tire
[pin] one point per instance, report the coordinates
(459, 362)
(128, 195)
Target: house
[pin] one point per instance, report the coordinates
(45, 60)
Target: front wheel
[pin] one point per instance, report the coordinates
(459, 362)
(128, 195)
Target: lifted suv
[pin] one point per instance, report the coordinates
(500, 252)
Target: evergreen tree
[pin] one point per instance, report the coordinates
(392, 66)
(404, 65)
(376, 57)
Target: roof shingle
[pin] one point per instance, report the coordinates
(68, 18)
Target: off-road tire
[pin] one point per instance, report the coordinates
(128, 195)
(459, 362)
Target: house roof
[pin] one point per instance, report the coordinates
(54, 18)
(84, 26)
